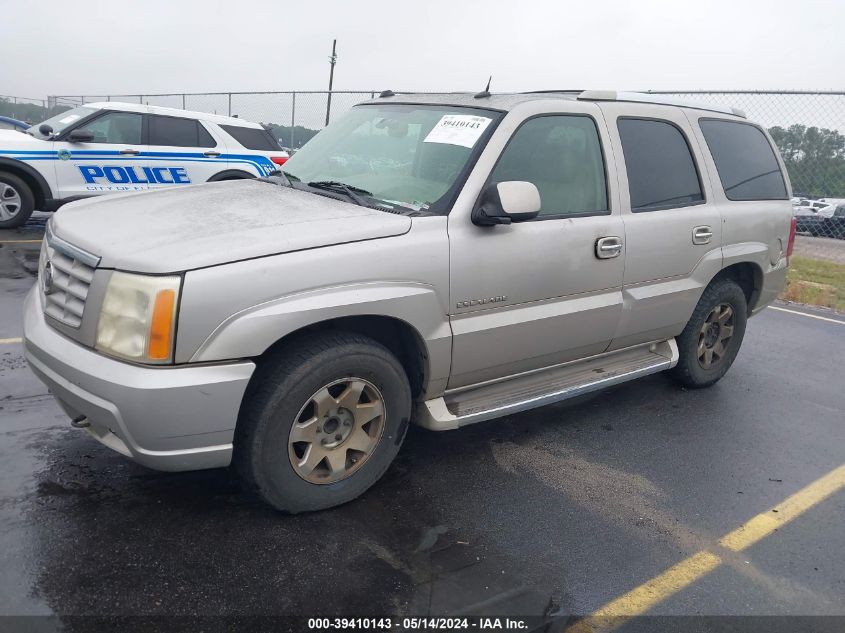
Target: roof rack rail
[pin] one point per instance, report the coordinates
(644, 97)
(542, 92)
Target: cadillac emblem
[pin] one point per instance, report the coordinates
(47, 278)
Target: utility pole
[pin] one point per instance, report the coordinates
(332, 62)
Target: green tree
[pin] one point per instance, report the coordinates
(814, 158)
(29, 112)
(301, 135)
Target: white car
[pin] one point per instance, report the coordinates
(809, 207)
(101, 148)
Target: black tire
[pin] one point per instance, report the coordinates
(231, 174)
(24, 208)
(690, 370)
(277, 394)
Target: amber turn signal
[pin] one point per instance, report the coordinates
(161, 326)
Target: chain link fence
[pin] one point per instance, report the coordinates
(23, 108)
(808, 128)
(294, 117)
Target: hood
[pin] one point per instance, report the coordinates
(204, 225)
(11, 139)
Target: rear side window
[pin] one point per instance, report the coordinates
(178, 132)
(661, 169)
(253, 138)
(745, 161)
(205, 139)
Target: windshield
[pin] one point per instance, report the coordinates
(409, 155)
(61, 121)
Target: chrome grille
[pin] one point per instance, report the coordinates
(65, 273)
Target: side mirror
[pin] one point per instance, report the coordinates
(45, 129)
(80, 136)
(506, 202)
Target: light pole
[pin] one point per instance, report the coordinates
(332, 62)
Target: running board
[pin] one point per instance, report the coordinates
(539, 388)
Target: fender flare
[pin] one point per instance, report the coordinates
(251, 331)
(230, 174)
(43, 193)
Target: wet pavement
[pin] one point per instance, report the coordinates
(555, 511)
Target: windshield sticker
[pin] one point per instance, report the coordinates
(69, 119)
(458, 129)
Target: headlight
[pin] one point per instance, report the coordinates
(138, 317)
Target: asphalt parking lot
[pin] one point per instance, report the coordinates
(644, 498)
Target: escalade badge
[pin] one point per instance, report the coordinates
(47, 278)
(471, 303)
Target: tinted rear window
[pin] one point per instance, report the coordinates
(661, 171)
(205, 139)
(745, 161)
(178, 132)
(253, 138)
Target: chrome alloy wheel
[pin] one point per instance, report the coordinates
(336, 430)
(715, 335)
(10, 201)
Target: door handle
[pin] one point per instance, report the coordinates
(608, 247)
(702, 235)
(130, 152)
(211, 154)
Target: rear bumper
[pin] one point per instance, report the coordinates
(166, 418)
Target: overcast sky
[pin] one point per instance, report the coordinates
(153, 46)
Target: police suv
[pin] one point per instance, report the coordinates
(101, 148)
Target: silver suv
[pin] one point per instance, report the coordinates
(442, 260)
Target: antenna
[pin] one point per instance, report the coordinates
(486, 92)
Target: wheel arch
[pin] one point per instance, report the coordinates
(34, 180)
(231, 174)
(748, 276)
(398, 336)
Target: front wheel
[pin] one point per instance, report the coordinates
(712, 337)
(16, 201)
(322, 422)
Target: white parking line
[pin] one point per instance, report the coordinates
(10, 341)
(804, 314)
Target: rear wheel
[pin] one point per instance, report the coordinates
(16, 201)
(322, 422)
(712, 337)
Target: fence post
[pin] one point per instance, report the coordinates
(230, 104)
(183, 101)
(292, 117)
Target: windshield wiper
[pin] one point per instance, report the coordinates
(286, 178)
(350, 190)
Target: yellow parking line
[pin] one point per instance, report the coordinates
(10, 341)
(639, 600)
(20, 241)
(765, 523)
(680, 576)
(805, 314)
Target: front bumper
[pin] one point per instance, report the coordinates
(166, 418)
